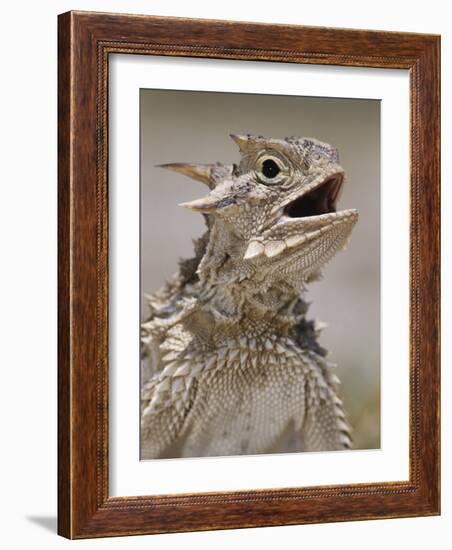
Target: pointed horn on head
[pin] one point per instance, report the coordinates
(242, 141)
(212, 203)
(198, 172)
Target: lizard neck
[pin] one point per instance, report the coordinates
(229, 301)
(235, 286)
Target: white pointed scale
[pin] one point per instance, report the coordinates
(319, 325)
(163, 385)
(273, 248)
(147, 411)
(177, 385)
(273, 359)
(197, 369)
(222, 363)
(211, 361)
(280, 348)
(170, 369)
(222, 353)
(243, 341)
(342, 425)
(293, 240)
(170, 356)
(268, 344)
(183, 370)
(243, 357)
(337, 400)
(254, 249)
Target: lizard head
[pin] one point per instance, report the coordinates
(275, 213)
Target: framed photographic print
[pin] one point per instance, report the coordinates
(248, 275)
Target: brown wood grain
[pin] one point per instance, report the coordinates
(85, 508)
(64, 295)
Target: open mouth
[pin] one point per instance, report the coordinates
(321, 200)
(305, 220)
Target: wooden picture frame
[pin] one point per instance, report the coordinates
(85, 42)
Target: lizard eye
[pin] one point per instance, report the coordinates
(271, 169)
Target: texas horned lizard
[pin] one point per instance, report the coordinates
(233, 364)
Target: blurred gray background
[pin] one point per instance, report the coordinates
(181, 126)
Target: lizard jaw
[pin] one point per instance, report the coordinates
(306, 218)
(291, 234)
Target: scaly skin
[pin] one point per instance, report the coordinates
(232, 366)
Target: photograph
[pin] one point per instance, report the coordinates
(259, 274)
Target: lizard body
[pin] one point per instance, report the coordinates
(232, 364)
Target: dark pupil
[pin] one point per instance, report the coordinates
(270, 169)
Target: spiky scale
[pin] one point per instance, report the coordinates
(183, 370)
